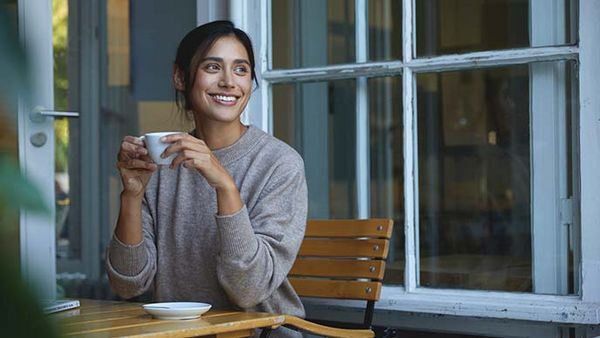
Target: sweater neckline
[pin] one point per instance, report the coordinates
(240, 147)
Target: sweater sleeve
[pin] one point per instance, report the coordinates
(131, 268)
(258, 247)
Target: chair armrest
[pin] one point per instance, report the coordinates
(328, 331)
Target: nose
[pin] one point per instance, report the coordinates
(226, 80)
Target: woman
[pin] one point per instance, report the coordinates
(223, 223)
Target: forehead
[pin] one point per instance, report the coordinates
(228, 47)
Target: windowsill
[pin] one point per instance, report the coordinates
(496, 305)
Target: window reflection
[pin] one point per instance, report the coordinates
(459, 26)
(475, 179)
(309, 33)
(387, 165)
(318, 120)
(385, 30)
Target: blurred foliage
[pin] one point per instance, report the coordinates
(60, 40)
(20, 312)
(16, 191)
(61, 144)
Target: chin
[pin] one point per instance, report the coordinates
(224, 117)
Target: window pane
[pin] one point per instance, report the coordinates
(385, 30)
(387, 165)
(476, 158)
(318, 120)
(66, 141)
(312, 32)
(459, 26)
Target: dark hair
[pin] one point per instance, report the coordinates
(193, 48)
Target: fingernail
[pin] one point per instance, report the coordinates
(162, 139)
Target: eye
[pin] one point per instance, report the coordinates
(212, 67)
(242, 70)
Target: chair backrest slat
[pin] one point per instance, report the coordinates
(377, 248)
(340, 268)
(373, 227)
(339, 289)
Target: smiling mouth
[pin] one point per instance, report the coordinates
(228, 100)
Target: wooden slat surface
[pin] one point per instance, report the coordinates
(326, 288)
(377, 248)
(373, 269)
(121, 319)
(374, 227)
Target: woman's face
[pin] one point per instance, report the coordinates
(223, 81)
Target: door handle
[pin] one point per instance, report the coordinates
(39, 114)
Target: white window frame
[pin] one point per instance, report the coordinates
(573, 309)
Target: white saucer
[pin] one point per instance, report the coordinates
(176, 310)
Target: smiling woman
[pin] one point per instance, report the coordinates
(223, 222)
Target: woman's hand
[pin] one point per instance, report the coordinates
(193, 153)
(135, 166)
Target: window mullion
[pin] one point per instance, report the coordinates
(548, 153)
(589, 74)
(410, 152)
(266, 63)
(362, 119)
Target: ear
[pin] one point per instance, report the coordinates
(178, 78)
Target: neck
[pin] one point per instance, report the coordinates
(219, 135)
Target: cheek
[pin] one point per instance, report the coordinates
(246, 86)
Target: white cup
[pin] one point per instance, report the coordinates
(156, 147)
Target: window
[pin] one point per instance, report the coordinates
(463, 120)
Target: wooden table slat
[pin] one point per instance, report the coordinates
(96, 319)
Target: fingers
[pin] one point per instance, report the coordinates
(136, 164)
(134, 140)
(181, 143)
(191, 159)
(131, 147)
(176, 137)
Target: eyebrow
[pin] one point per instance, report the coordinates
(217, 59)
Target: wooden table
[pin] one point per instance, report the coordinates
(96, 318)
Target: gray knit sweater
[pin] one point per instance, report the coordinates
(237, 261)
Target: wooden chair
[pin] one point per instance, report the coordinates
(341, 259)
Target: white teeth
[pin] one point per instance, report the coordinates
(225, 98)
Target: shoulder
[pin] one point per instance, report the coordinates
(278, 153)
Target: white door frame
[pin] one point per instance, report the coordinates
(37, 234)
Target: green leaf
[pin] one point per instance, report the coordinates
(16, 191)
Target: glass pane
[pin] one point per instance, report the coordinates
(312, 32)
(387, 165)
(475, 177)
(66, 142)
(318, 120)
(459, 26)
(385, 30)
